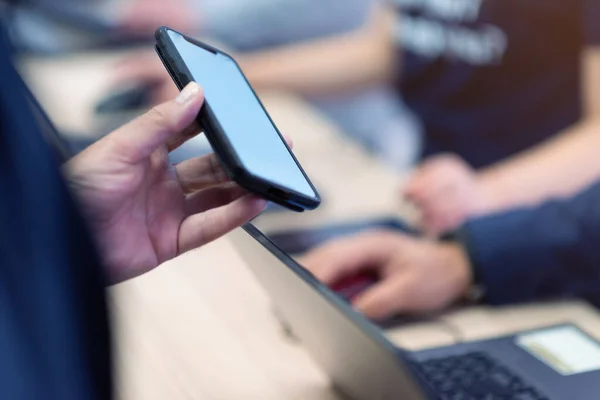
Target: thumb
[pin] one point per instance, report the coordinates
(141, 137)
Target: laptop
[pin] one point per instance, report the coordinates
(559, 362)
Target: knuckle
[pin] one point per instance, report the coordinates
(158, 116)
(201, 233)
(217, 170)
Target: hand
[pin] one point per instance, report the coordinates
(144, 211)
(145, 68)
(416, 276)
(143, 17)
(447, 191)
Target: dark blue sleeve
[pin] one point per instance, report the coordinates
(552, 251)
(590, 17)
(54, 332)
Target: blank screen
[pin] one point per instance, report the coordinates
(239, 113)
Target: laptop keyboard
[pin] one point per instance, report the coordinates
(475, 376)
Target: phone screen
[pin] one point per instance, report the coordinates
(251, 134)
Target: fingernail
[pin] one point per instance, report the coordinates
(261, 203)
(188, 93)
(257, 203)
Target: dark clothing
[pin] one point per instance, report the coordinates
(546, 252)
(54, 337)
(489, 78)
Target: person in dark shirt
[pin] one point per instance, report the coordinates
(506, 90)
(139, 212)
(515, 74)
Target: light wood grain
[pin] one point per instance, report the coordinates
(207, 332)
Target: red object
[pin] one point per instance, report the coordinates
(352, 286)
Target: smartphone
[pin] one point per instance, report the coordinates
(300, 241)
(241, 133)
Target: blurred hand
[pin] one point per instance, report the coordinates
(143, 17)
(447, 191)
(144, 211)
(145, 68)
(416, 276)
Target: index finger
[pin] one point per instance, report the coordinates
(201, 172)
(346, 257)
(202, 228)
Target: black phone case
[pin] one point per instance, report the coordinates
(218, 139)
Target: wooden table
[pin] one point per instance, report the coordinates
(200, 327)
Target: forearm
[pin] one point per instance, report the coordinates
(560, 167)
(279, 22)
(335, 64)
(545, 252)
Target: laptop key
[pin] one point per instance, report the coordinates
(468, 380)
(488, 386)
(517, 385)
(446, 386)
(459, 396)
(501, 378)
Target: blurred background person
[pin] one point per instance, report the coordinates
(506, 88)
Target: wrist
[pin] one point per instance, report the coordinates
(494, 195)
(472, 290)
(458, 260)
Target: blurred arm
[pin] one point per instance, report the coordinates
(560, 167)
(360, 58)
(545, 252)
(278, 22)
